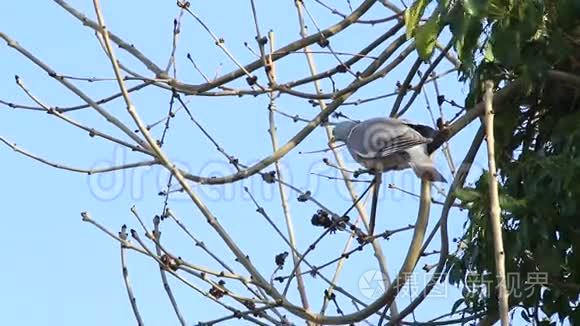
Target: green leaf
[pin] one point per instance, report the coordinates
(456, 20)
(558, 46)
(497, 9)
(467, 194)
(426, 35)
(470, 38)
(531, 17)
(510, 203)
(466, 30)
(567, 13)
(476, 8)
(488, 53)
(413, 14)
(506, 45)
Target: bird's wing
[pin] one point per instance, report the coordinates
(403, 142)
(381, 137)
(424, 130)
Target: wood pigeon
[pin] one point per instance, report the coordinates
(385, 144)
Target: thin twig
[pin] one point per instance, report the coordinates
(75, 169)
(283, 198)
(370, 69)
(157, 235)
(441, 224)
(242, 258)
(339, 266)
(428, 72)
(132, 300)
(51, 72)
(58, 113)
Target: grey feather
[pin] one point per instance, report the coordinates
(385, 144)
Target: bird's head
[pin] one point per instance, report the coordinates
(342, 130)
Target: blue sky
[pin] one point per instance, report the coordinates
(61, 271)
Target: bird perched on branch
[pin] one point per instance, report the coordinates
(386, 144)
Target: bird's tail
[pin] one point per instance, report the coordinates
(428, 172)
(423, 166)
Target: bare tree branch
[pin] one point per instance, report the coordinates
(495, 213)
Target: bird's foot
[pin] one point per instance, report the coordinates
(359, 172)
